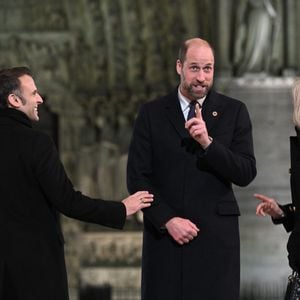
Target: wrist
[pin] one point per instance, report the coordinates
(208, 142)
(279, 215)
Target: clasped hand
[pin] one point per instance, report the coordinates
(182, 230)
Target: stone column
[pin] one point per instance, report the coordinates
(292, 36)
(264, 264)
(223, 40)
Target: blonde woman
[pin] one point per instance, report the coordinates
(289, 214)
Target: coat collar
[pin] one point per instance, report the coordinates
(174, 113)
(15, 115)
(211, 111)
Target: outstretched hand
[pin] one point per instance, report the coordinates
(137, 201)
(268, 206)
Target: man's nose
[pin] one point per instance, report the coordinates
(40, 100)
(200, 76)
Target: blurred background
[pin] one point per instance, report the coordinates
(96, 61)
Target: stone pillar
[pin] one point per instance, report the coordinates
(292, 36)
(264, 262)
(224, 37)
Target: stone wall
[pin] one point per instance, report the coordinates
(264, 264)
(96, 61)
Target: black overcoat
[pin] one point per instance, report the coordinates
(33, 188)
(292, 220)
(195, 184)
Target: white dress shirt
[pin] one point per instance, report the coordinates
(185, 103)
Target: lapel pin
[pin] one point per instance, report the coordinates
(214, 113)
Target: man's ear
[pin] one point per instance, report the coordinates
(14, 101)
(178, 67)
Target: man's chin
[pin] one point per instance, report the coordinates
(35, 118)
(199, 95)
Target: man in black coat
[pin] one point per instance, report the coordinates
(34, 188)
(191, 235)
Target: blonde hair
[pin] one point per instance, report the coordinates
(296, 102)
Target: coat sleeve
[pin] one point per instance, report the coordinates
(288, 221)
(59, 191)
(139, 171)
(236, 162)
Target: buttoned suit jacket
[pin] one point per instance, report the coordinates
(196, 184)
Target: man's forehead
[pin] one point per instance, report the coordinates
(200, 56)
(199, 62)
(25, 78)
(27, 81)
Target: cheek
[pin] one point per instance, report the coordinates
(209, 78)
(188, 77)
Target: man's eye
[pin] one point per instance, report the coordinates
(207, 69)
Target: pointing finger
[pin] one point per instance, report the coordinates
(198, 112)
(264, 199)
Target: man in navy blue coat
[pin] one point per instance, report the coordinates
(191, 245)
(33, 189)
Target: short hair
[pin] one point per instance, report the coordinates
(10, 83)
(296, 103)
(185, 46)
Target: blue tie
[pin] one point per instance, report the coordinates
(192, 112)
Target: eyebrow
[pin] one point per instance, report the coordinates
(197, 64)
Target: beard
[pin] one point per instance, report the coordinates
(196, 91)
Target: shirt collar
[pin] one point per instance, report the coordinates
(185, 102)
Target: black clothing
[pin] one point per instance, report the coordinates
(33, 188)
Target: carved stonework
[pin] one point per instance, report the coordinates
(259, 32)
(111, 249)
(97, 61)
(111, 259)
(32, 15)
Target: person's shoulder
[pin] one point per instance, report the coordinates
(42, 138)
(27, 134)
(34, 133)
(228, 99)
(35, 138)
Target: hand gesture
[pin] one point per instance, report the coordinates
(137, 201)
(182, 230)
(197, 129)
(268, 206)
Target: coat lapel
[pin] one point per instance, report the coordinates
(212, 110)
(175, 115)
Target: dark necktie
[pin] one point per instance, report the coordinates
(192, 112)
